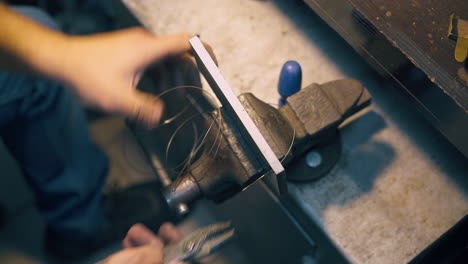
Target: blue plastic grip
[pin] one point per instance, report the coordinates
(290, 80)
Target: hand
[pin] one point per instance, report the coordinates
(141, 246)
(104, 69)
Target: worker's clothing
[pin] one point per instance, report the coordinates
(45, 129)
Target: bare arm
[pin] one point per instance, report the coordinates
(26, 45)
(103, 69)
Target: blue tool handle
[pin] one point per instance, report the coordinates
(290, 80)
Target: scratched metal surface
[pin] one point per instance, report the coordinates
(420, 28)
(398, 186)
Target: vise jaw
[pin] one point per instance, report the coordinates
(309, 120)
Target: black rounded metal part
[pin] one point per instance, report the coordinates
(316, 162)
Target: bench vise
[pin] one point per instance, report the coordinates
(309, 120)
(231, 161)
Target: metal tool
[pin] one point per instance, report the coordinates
(254, 140)
(200, 243)
(233, 106)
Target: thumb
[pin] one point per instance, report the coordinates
(169, 45)
(144, 108)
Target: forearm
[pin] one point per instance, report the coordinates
(102, 69)
(26, 46)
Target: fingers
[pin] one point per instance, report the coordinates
(169, 45)
(139, 235)
(148, 254)
(144, 108)
(169, 233)
(141, 245)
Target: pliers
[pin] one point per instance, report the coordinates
(200, 243)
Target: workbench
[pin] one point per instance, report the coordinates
(408, 42)
(399, 184)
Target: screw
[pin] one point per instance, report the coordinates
(313, 159)
(182, 209)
